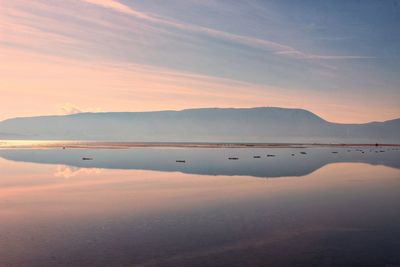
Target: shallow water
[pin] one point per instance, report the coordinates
(139, 207)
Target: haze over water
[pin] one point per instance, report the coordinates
(139, 207)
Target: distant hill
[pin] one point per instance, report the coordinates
(264, 124)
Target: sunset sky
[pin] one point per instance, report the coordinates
(338, 59)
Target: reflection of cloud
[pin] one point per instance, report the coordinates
(68, 171)
(69, 108)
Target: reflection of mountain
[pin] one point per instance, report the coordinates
(200, 125)
(211, 161)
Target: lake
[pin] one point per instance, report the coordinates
(200, 206)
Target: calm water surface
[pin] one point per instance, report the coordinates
(139, 207)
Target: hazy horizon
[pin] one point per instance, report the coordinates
(256, 125)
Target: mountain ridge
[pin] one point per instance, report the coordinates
(164, 111)
(261, 124)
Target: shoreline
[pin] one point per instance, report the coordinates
(8, 144)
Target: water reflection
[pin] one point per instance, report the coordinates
(344, 214)
(260, 162)
(68, 172)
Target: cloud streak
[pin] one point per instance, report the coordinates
(274, 47)
(68, 109)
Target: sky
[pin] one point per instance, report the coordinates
(338, 59)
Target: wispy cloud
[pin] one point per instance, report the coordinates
(68, 109)
(274, 47)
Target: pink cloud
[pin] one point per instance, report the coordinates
(277, 48)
